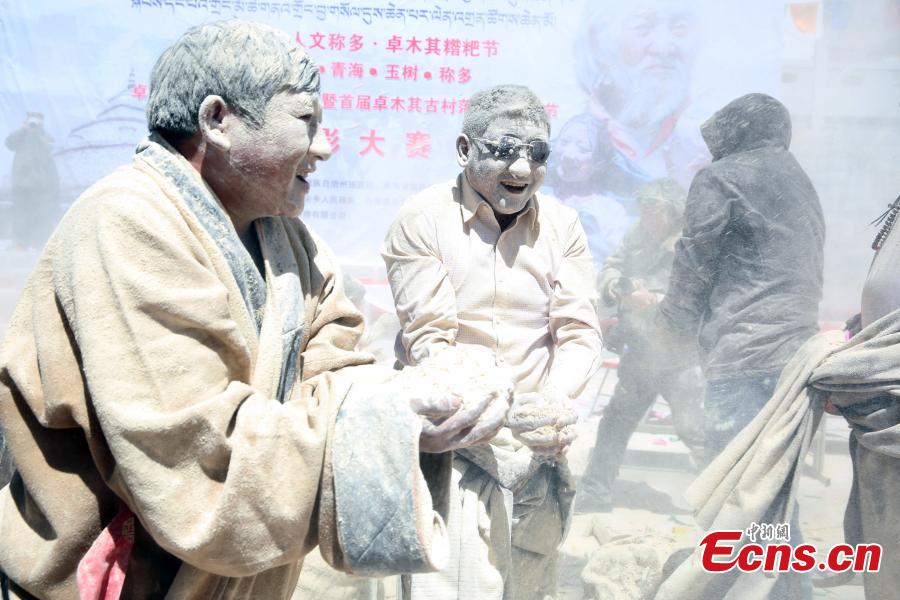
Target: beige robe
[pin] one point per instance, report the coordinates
(134, 373)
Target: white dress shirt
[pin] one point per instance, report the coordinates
(525, 293)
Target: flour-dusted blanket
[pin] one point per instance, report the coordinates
(149, 364)
(755, 478)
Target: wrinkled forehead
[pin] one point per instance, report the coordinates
(307, 100)
(297, 103)
(515, 124)
(650, 202)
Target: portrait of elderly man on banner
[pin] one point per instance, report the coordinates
(634, 62)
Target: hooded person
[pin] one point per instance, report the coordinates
(179, 384)
(485, 263)
(635, 278)
(747, 275)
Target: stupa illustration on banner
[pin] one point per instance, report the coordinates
(94, 149)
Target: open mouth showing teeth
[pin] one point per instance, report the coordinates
(302, 178)
(515, 188)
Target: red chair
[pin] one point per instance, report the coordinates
(609, 365)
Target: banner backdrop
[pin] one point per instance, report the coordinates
(626, 85)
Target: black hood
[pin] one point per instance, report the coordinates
(750, 122)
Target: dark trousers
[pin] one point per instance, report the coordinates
(638, 386)
(730, 406)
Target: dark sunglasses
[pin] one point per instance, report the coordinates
(508, 147)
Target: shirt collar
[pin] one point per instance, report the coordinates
(471, 202)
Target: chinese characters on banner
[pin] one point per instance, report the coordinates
(396, 78)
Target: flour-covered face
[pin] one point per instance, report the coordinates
(656, 218)
(507, 184)
(275, 160)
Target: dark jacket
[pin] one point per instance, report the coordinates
(747, 275)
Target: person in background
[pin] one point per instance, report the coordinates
(747, 275)
(34, 182)
(636, 278)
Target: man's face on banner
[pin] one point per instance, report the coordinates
(507, 184)
(651, 50)
(574, 154)
(660, 41)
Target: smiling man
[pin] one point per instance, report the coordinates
(488, 265)
(179, 385)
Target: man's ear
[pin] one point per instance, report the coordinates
(464, 150)
(212, 119)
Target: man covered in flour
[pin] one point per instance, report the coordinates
(485, 265)
(179, 384)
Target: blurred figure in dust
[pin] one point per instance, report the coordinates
(636, 278)
(34, 182)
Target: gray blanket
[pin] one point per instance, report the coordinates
(755, 479)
